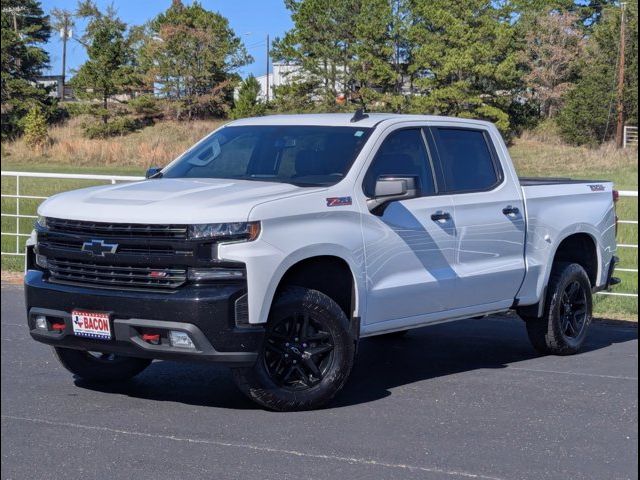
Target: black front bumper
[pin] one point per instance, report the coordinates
(205, 312)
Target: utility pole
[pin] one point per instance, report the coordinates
(267, 78)
(620, 126)
(65, 33)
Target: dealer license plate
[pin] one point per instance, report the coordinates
(91, 324)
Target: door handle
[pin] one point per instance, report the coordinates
(510, 210)
(440, 216)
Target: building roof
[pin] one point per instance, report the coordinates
(343, 119)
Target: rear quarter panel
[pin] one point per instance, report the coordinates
(554, 212)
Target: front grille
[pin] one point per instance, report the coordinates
(75, 246)
(102, 229)
(82, 273)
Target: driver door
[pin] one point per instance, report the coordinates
(410, 244)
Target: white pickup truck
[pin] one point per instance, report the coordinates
(276, 243)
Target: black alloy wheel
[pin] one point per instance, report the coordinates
(298, 352)
(573, 310)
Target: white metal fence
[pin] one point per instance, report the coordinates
(630, 136)
(18, 195)
(18, 215)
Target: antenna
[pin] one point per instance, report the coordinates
(359, 115)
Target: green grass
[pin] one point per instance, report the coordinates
(532, 157)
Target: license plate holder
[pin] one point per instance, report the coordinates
(89, 324)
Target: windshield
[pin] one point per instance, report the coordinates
(302, 155)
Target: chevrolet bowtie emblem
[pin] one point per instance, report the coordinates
(98, 248)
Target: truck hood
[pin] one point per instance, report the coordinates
(168, 201)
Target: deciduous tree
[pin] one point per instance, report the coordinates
(553, 46)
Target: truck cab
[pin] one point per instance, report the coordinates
(276, 243)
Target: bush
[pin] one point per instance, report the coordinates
(35, 128)
(119, 126)
(146, 106)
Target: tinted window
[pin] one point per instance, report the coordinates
(402, 153)
(467, 161)
(303, 155)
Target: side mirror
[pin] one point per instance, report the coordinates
(152, 172)
(393, 188)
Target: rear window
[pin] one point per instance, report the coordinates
(301, 155)
(467, 160)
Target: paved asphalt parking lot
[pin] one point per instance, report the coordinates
(469, 399)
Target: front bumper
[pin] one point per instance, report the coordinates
(205, 312)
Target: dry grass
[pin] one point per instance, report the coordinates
(155, 145)
(543, 154)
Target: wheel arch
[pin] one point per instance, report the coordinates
(575, 247)
(580, 248)
(328, 274)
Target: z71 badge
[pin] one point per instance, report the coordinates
(338, 201)
(597, 188)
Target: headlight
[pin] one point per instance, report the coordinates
(41, 221)
(226, 231)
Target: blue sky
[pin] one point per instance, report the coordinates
(252, 20)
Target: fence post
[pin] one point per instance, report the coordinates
(17, 213)
(624, 136)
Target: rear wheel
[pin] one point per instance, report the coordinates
(100, 367)
(307, 353)
(568, 312)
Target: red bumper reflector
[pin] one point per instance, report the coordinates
(151, 337)
(58, 327)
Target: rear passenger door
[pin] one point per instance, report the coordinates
(488, 213)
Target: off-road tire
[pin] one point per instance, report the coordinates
(260, 382)
(548, 334)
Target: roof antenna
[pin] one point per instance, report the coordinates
(359, 115)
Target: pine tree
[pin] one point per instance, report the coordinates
(109, 69)
(465, 61)
(25, 29)
(192, 56)
(339, 47)
(248, 104)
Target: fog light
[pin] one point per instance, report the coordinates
(41, 322)
(180, 339)
(41, 261)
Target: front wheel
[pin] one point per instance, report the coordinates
(568, 312)
(100, 367)
(307, 353)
